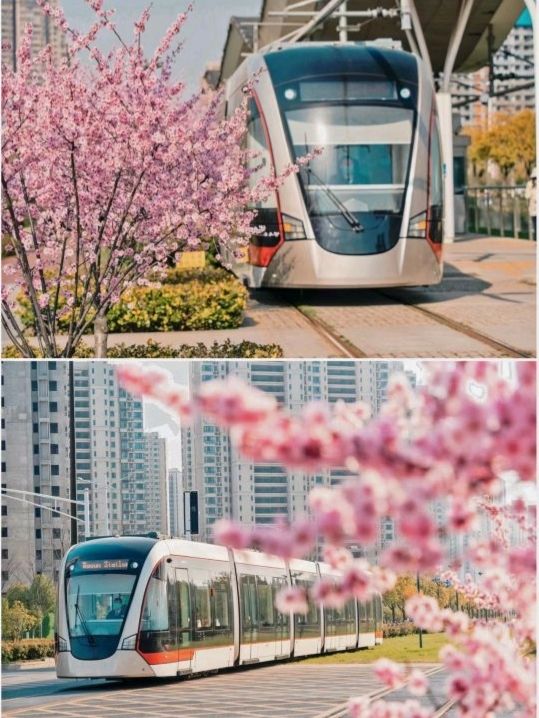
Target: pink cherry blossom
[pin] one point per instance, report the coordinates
(412, 453)
(417, 683)
(109, 170)
(292, 600)
(389, 672)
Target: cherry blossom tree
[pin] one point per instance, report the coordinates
(452, 440)
(109, 172)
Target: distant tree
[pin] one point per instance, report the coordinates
(17, 592)
(16, 620)
(41, 597)
(437, 590)
(509, 143)
(396, 599)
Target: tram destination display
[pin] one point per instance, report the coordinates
(117, 564)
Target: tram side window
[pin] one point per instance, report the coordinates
(201, 590)
(341, 620)
(307, 625)
(155, 625)
(260, 162)
(436, 184)
(212, 599)
(260, 619)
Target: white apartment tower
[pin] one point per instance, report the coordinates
(35, 458)
(175, 502)
(64, 424)
(230, 486)
(16, 14)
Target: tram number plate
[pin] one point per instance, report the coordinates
(105, 565)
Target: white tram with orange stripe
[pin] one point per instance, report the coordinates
(367, 212)
(138, 606)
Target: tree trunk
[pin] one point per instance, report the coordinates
(100, 334)
(393, 613)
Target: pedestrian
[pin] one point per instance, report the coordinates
(531, 196)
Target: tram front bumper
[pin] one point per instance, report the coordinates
(122, 664)
(305, 264)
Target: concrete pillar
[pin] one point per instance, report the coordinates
(445, 117)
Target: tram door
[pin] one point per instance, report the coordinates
(183, 619)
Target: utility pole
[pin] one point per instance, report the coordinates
(491, 77)
(420, 630)
(343, 22)
(72, 462)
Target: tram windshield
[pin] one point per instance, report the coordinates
(97, 604)
(364, 159)
(355, 189)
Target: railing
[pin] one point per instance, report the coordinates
(497, 211)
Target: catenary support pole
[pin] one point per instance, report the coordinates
(445, 116)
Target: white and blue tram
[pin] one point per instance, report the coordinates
(137, 606)
(368, 211)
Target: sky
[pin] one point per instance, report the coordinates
(204, 34)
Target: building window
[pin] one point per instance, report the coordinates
(55, 490)
(53, 406)
(4, 510)
(5, 553)
(54, 428)
(37, 513)
(4, 532)
(53, 385)
(56, 533)
(38, 555)
(38, 533)
(57, 554)
(55, 470)
(5, 576)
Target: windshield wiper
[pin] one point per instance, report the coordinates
(87, 632)
(349, 217)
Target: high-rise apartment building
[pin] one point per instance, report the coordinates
(513, 68)
(67, 422)
(231, 486)
(97, 444)
(35, 458)
(175, 502)
(16, 15)
(156, 483)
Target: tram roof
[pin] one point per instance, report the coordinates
(438, 19)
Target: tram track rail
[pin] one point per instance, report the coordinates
(459, 327)
(349, 349)
(341, 711)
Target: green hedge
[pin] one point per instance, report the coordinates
(154, 350)
(191, 305)
(27, 650)
(398, 629)
(209, 298)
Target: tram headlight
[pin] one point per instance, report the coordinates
(293, 228)
(290, 93)
(418, 226)
(129, 643)
(61, 644)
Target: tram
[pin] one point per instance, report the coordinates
(137, 606)
(366, 212)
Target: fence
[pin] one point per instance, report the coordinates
(497, 211)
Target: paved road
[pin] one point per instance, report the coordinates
(279, 691)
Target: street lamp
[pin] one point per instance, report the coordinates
(86, 506)
(420, 629)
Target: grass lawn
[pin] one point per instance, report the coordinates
(403, 649)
